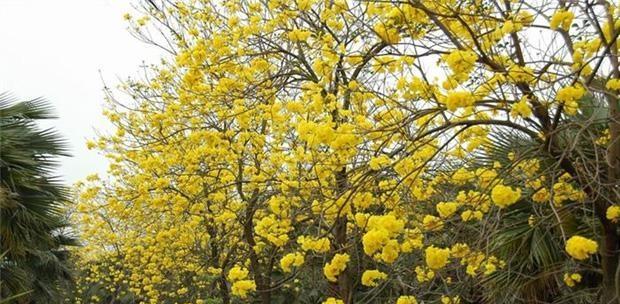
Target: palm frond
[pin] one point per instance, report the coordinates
(34, 234)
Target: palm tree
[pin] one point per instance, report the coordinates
(533, 248)
(34, 230)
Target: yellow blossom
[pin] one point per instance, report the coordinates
(432, 223)
(388, 34)
(305, 5)
(379, 162)
(241, 288)
(298, 35)
(406, 300)
(374, 240)
(437, 258)
(321, 245)
(370, 278)
(459, 99)
(562, 18)
(580, 247)
(461, 61)
(613, 84)
(521, 109)
(572, 279)
(504, 196)
(569, 96)
(337, 265)
(237, 273)
(446, 209)
(613, 213)
(333, 301)
(424, 275)
(291, 259)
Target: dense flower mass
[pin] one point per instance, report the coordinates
(461, 61)
(561, 19)
(569, 97)
(459, 99)
(336, 266)
(371, 278)
(504, 196)
(572, 279)
(240, 285)
(521, 108)
(241, 288)
(359, 151)
(290, 260)
(333, 301)
(580, 247)
(317, 245)
(406, 300)
(613, 213)
(437, 258)
(613, 84)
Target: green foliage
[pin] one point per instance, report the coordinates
(34, 230)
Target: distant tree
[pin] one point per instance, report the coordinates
(33, 225)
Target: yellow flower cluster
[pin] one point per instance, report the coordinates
(477, 203)
(379, 162)
(461, 61)
(240, 285)
(273, 229)
(406, 300)
(241, 288)
(580, 247)
(370, 278)
(381, 231)
(613, 213)
(504, 196)
(562, 18)
(459, 99)
(337, 265)
(321, 245)
(446, 209)
(564, 191)
(291, 259)
(569, 96)
(450, 300)
(333, 301)
(387, 33)
(462, 176)
(613, 84)
(436, 258)
(423, 274)
(432, 223)
(237, 273)
(413, 239)
(521, 109)
(520, 74)
(299, 35)
(305, 5)
(572, 279)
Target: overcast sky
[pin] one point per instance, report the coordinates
(60, 50)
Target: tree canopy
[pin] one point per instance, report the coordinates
(334, 151)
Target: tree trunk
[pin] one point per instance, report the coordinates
(262, 281)
(609, 250)
(610, 246)
(343, 288)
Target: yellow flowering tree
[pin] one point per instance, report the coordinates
(350, 151)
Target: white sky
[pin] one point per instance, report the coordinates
(60, 50)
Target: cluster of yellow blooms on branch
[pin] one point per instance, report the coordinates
(315, 151)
